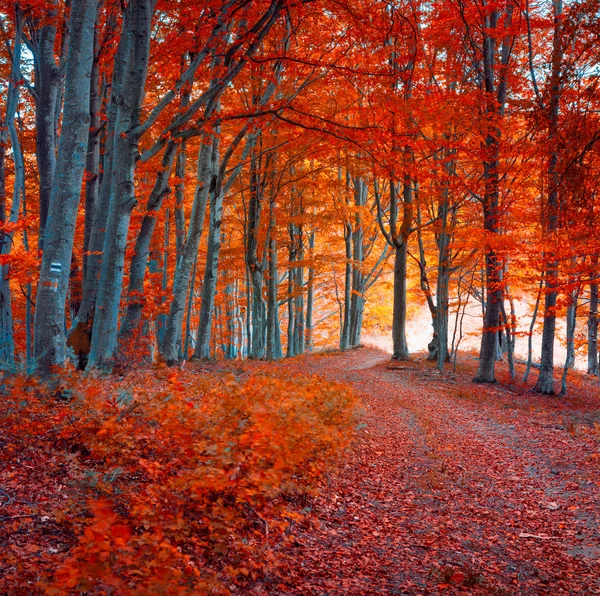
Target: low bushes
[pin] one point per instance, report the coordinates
(180, 483)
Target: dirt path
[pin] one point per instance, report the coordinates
(453, 488)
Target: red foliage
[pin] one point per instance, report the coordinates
(167, 483)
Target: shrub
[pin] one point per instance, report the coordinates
(191, 481)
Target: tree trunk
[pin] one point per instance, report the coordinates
(139, 262)
(530, 335)
(345, 331)
(48, 88)
(571, 325)
(211, 272)
(170, 348)
(137, 25)
(310, 296)
(7, 344)
(92, 164)
(272, 300)
(80, 334)
(545, 380)
(50, 344)
(592, 324)
(400, 347)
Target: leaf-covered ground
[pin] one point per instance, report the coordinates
(449, 487)
(456, 488)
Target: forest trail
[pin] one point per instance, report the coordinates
(453, 488)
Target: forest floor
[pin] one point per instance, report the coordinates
(449, 487)
(455, 488)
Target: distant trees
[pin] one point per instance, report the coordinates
(232, 179)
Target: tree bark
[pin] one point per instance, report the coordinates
(211, 273)
(139, 262)
(545, 380)
(49, 342)
(9, 130)
(137, 25)
(592, 324)
(170, 348)
(400, 346)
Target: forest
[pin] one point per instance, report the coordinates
(299, 296)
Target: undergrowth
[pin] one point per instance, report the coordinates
(168, 483)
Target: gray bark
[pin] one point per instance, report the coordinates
(310, 297)
(273, 349)
(139, 262)
(9, 130)
(81, 327)
(530, 335)
(571, 325)
(495, 87)
(211, 273)
(397, 237)
(545, 380)
(48, 94)
(592, 325)
(49, 344)
(400, 346)
(170, 348)
(137, 26)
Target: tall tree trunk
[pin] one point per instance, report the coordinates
(92, 164)
(592, 340)
(139, 262)
(50, 344)
(9, 130)
(170, 348)
(310, 296)
(400, 346)
(253, 262)
(443, 283)
(495, 86)
(188, 318)
(179, 201)
(545, 380)
(137, 25)
(211, 272)
(80, 333)
(571, 325)
(530, 334)
(345, 331)
(272, 286)
(48, 95)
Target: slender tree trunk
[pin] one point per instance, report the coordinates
(310, 296)
(92, 164)
(345, 332)
(139, 262)
(571, 326)
(530, 335)
(545, 380)
(443, 285)
(509, 343)
(9, 130)
(50, 344)
(188, 319)
(211, 272)
(400, 346)
(272, 300)
(169, 349)
(161, 319)
(179, 201)
(592, 324)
